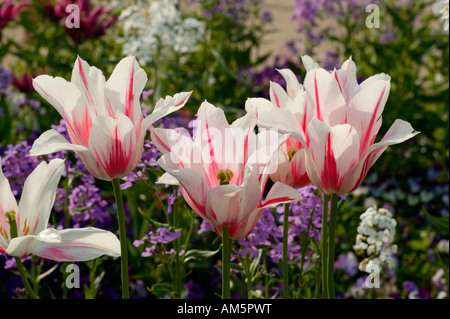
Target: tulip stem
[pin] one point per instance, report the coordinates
(24, 277)
(226, 260)
(331, 244)
(285, 252)
(324, 246)
(122, 238)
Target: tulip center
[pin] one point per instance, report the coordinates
(224, 176)
(290, 152)
(11, 216)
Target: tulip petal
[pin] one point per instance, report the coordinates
(324, 93)
(364, 112)
(38, 197)
(51, 142)
(333, 151)
(346, 78)
(278, 95)
(90, 81)
(278, 194)
(309, 63)
(399, 132)
(164, 107)
(62, 95)
(113, 143)
(80, 244)
(123, 90)
(7, 203)
(167, 179)
(293, 87)
(194, 185)
(22, 246)
(228, 205)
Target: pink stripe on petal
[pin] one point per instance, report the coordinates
(278, 200)
(367, 132)
(319, 114)
(130, 95)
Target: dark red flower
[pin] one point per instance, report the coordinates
(9, 9)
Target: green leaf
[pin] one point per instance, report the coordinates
(161, 289)
(196, 254)
(441, 224)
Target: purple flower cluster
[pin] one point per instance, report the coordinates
(236, 9)
(155, 238)
(6, 79)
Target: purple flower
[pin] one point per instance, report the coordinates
(6, 79)
(347, 263)
(164, 235)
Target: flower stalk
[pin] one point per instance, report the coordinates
(324, 246)
(11, 216)
(122, 238)
(331, 245)
(226, 260)
(285, 252)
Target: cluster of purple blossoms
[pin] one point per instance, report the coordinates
(6, 79)
(235, 9)
(155, 239)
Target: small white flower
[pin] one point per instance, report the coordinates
(376, 233)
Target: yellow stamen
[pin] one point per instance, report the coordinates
(224, 176)
(26, 229)
(3, 232)
(290, 152)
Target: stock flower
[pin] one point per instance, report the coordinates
(339, 139)
(224, 170)
(376, 233)
(104, 118)
(23, 227)
(291, 156)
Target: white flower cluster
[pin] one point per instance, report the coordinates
(376, 233)
(441, 8)
(153, 28)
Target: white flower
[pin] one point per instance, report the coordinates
(376, 233)
(441, 8)
(156, 28)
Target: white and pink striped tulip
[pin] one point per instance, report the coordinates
(104, 118)
(339, 139)
(223, 172)
(32, 216)
(291, 168)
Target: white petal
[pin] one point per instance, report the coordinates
(22, 246)
(164, 107)
(80, 244)
(113, 142)
(7, 203)
(123, 89)
(38, 196)
(90, 81)
(62, 95)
